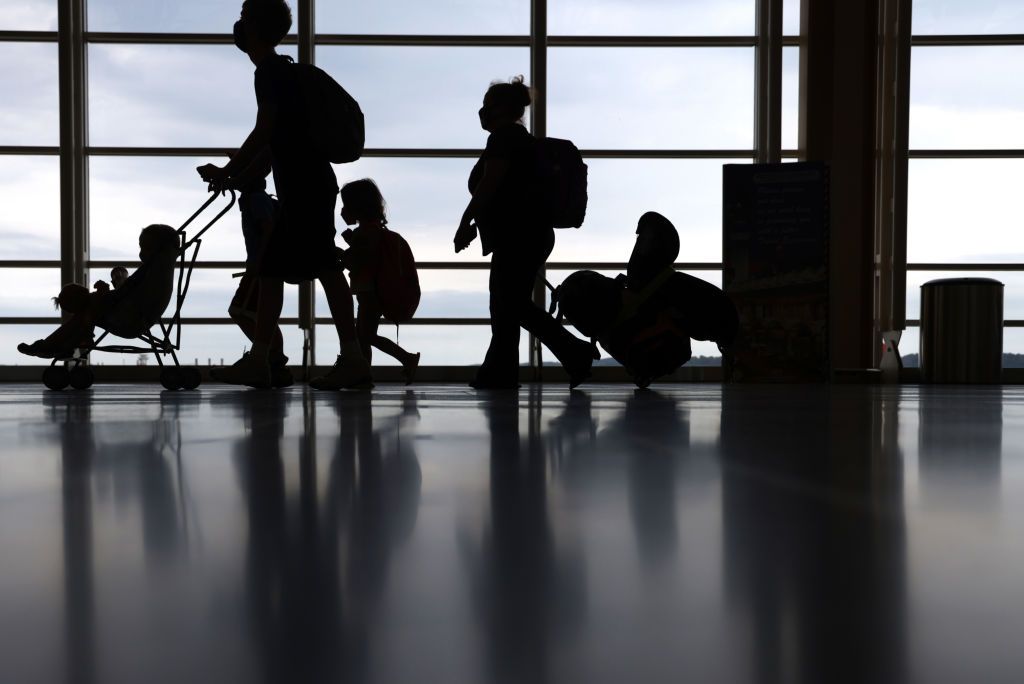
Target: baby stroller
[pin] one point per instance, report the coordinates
(75, 370)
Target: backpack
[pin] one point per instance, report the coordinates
(335, 120)
(562, 176)
(398, 284)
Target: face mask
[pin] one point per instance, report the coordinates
(238, 33)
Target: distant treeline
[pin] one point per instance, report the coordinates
(1009, 361)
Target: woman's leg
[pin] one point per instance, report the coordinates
(501, 362)
(522, 269)
(351, 370)
(339, 299)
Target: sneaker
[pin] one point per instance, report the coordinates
(248, 370)
(409, 370)
(346, 374)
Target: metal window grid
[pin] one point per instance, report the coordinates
(72, 37)
(966, 40)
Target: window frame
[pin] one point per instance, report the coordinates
(73, 39)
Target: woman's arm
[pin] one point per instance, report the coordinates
(494, 172)
(255, 144)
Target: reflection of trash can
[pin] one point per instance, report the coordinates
(962, 330)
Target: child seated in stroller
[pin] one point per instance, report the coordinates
(646, 318)
(128, 310)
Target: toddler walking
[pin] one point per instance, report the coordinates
(363, 207)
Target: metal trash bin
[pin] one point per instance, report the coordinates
(961, 330)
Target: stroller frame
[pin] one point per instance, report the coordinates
(172, 377)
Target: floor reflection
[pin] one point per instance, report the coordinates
(528, 587)
(739, 534)
(815, 535)
(313, 579)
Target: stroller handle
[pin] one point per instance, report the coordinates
(210, 200)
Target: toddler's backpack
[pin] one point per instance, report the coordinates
(335, 120)
(563, 182)
(398, 283)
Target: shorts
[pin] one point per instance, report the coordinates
(246, 299)
(257, 209)
(301, 244)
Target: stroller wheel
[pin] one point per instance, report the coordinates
(190, 377)
(81, 377)
(170, 378)
(56, 377)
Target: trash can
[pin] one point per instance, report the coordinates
(962, 330)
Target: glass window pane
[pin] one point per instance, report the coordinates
(790, 98)
(652, 98)
(965, 210)
(445, 294)
(150, 96)
(1013, 294)
(425, 200)
(967, 97)
(651, 17)
(422, 96)
(791, 17)
(976, 16)
(129, 193)
(444, 17)
(205, 345)
(30, 197)
(159, 16)
(28, 109)
(13, 335)
(688, 192)
(28, 291)
(439, 345)
(1013, 343)
(28, 15)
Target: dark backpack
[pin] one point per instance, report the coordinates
(562, 176)
(335, 120)
(398, 283)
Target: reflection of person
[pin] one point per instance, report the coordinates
(512, 228)
(132, 306)
(530, 588)
(363, 206)
(301, 245)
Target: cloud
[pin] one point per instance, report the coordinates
(28, 15)
(28, 94)
(652, 17)
(976, 16)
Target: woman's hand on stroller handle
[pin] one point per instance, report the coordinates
(216, 177)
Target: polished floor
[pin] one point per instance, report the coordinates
(690, 534)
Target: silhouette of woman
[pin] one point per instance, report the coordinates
(506, 209)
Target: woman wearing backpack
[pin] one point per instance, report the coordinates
(363, 206)
(513, 228)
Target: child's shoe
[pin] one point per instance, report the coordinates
(409, 369)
